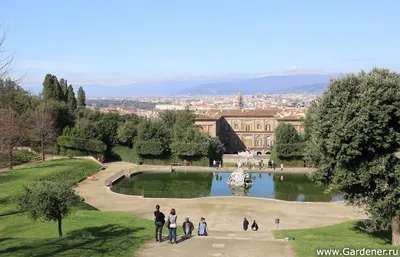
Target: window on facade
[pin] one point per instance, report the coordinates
(268, 141)
(226, 127)
(227, 140)
(258, 142)
(247, 127)
(235, 126)
(268, 127)
(258, 126)
(236, 142)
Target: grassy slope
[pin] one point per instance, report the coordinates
(337, 236)
(87, 232)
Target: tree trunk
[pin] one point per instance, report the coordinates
(395, 231)
(43, 156)
(10, 158)
(59, 227)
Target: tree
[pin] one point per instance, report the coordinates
(49, 201)
(44, 127)
(152, 139)
(14, 96)
(189, 142)
(64, 87)
(11, 133)
(216, 148)
(52, 89)
(287, 142)
(71, 100)
(81, 97)
(355, 132)
(184, 118)
(5, 60)
(127, 132)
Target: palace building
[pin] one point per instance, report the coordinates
(251, 130)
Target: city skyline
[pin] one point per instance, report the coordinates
(125, 42)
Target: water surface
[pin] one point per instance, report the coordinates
(282, 186)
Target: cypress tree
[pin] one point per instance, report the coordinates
(71, 100)
(48, 88)
(64, 87)
(81, 97)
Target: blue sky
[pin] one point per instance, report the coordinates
(121, 42)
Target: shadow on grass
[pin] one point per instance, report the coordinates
(107, 240)
(364, 227)
(9, 213)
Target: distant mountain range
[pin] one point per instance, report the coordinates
(311, 89)
(270, 84)
(300, 83)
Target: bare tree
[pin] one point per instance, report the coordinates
(11, 133)
(5, 58)
(44, 127)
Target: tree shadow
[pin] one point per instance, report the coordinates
(9, 213)
(107, 240)
(363, 227)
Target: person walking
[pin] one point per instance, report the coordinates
(281, 165)
(202, 228)
(254, 226)
(172, 217)
(159, 220)
(245, 224)
(187, 227)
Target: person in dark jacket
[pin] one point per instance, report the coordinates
(159, 220)
(254, 226)
(187, 227)
(245, 224)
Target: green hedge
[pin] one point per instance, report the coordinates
(19, 157)
(289, 162)
(85, 145)
(126, 154)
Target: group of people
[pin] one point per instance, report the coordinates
(171, 223)
(217, 164)
(246, 223)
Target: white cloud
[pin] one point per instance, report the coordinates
(292, 68)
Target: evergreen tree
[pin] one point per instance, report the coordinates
(58, 94)
(81, 97)
(353, 138)
(64, 87)
(71, 100)
(48, 88)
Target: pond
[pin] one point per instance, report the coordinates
(282, 186)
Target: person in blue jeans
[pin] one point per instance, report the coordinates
(172, 217)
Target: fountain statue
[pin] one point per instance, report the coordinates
(240, 181)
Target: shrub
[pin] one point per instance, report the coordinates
(124, 153)
(85, 145)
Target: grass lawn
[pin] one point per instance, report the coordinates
(339, 236)
(87, 231)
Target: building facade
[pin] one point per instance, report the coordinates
(248, 130)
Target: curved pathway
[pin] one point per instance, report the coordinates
(224, 216)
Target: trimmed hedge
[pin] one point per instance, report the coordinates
(126, 154)
(85, 145)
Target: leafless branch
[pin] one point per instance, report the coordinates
(44, 126)
(11, 132)
(5, 58)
